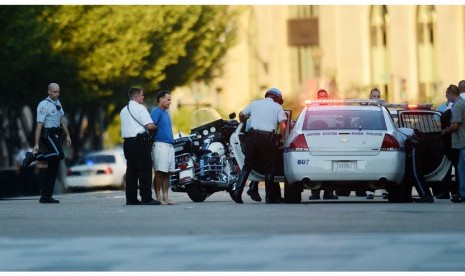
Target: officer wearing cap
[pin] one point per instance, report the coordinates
(260, 149)
(50, 124)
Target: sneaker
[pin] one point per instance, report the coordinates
(425, 199)
(371, 196)
(48, 199)
(385, 196)
(28, 159)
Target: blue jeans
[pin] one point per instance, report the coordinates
(461, 168)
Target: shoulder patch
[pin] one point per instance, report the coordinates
(42, 110)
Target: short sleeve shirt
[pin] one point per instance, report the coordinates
(130, 126)
(162, 119)
(48, 113)
(264, 114)
(458, 116)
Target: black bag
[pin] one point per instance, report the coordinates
(144, 137)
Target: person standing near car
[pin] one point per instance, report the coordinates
(375, 94)
(135, 127)
(50, 124)
(328, 193)
(162, 150)
(457, 128)
(260, 148)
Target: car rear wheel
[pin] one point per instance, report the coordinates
(292, 192)
(196, 193)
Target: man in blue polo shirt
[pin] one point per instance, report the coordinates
(162, 149)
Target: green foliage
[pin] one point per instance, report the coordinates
(96, 53)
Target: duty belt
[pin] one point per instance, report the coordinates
(261, 132)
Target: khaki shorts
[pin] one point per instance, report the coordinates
(163, 157)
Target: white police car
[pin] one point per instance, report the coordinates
(352, 144)
(98, 169)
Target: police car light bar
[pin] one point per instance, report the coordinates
(411, 106)
(343, 101)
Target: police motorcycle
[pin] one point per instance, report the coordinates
(204, 162)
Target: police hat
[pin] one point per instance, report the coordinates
(276, 94)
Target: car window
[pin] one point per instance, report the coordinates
(344, 119)
(97, 159)
(426, 122)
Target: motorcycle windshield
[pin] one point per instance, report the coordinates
(204, 116)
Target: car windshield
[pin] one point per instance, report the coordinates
(97, 159)
(344, 119)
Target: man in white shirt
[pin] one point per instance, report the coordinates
(260, 150)
(135, 126)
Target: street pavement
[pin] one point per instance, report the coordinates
(95, 231)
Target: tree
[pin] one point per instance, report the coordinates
(96, 53)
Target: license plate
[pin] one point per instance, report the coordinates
(186, 173)
(345, 166)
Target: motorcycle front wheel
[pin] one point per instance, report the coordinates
(196, 193)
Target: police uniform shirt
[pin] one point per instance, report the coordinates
(130, 127)
(48, 113)
(264, 114)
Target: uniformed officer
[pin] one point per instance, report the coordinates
(260, 149)
(135, 126)
(50, 124)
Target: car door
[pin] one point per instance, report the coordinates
(428, 122)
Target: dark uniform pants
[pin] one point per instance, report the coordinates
(139, 169)
(260, 153)
(53, 154)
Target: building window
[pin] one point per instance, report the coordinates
(427, 76)
(380, 76)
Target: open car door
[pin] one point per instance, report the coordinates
(428, 123)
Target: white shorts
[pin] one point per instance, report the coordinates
(163, 157)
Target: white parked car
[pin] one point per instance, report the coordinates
(98, 169)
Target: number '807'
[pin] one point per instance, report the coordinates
(302, 162)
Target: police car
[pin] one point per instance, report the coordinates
(355, 144)
(98, 169)
(351, 145)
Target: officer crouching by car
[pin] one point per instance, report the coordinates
(260, 146)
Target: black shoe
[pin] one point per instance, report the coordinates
(150, 202)
(314, 197)
(28, 159)
(237, 196)
(48, 199)
(137, 202)
(255, 196)
(443, 196)
(425, 199)
(330, 196)
(457, 199)
(370, 196)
